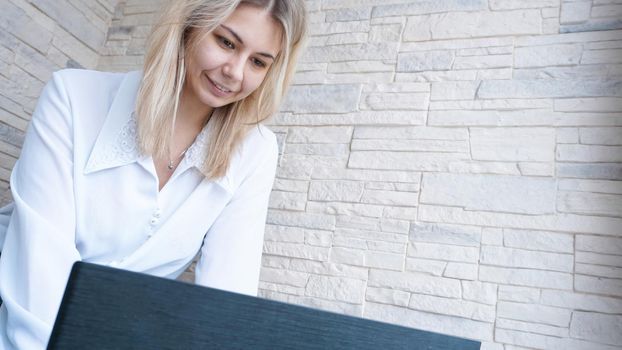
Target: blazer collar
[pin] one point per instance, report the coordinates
(117, 142)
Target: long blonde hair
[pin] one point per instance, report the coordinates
(164, 72)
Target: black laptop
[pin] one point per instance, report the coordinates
(107, 308)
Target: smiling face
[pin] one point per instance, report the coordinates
(232, 61)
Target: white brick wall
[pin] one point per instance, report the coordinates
(481, 180)
(452, 166)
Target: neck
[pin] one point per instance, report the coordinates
(192, 113)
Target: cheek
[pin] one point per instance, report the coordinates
(252, 82)
(202, 61)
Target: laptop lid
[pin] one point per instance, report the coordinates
(107, 308)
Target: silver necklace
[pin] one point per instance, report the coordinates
(170, 165)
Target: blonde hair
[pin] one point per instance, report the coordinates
(164, 73)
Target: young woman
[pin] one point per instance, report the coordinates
(144, 170)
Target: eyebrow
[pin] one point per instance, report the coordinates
(237, 37)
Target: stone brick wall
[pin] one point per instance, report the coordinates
(451, 165)
(455, 166)
(38, 37)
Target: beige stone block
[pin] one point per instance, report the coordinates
(446, 324)
(513, 144)
(575, 12)
(387, 296)
(549, 55)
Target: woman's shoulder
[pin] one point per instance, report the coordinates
(259, 147)
(85, 82)
(70, 75)
(260, 140)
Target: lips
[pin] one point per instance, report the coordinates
(221, 88)
(218, 89)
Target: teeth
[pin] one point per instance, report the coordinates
(221, 88)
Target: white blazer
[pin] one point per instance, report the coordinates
(82, 191)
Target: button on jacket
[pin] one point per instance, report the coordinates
(82, 191)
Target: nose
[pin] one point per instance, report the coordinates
(234, 68)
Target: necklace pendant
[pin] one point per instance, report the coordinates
(170, 165)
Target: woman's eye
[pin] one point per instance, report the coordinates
(258, 63)
(226, 42)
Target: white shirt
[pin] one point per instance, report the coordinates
(82, 191)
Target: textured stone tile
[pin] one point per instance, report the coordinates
(559, 222)
(526, 277)
(599, 244)
(336, 288)
(601, 136)
(387, 296)
(596, 186)
(602, 56)
(307, 220)
(589, 153)
(381, 118)
(427, 266)
(597, 327)
(532, 117)
(519, 294)
(282, 276)
(454, 90)
(598, 270)
(598, 258)
(513, 144)
(590, 171)
(509, 257)
(534, 313)
(383, 260)
(390, 197)
(537, 328)
(413, 133)
(548, 88)
(397, 101)
(451, 325)
(388, 160)
(485, 293)
(443, 252)
(410, 145)
(490, 192)
(538, 240)
(351, 52)
(521, 4)
(575, 12)
(415, 282)
(425, 61)
(531, 340)
(445, 234)
(70, 18)
(17, 24)
(284, 234)
(425, 7)
(478, 24)
(288, 200)
(461, 271)
(580, 301)
(483, 62)
(319, 135)
(388, 32)
(296, 250)
(453, 307)
(348, 14)
(322, 98)
(549, 55)
(590, 203)
(598, 285)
